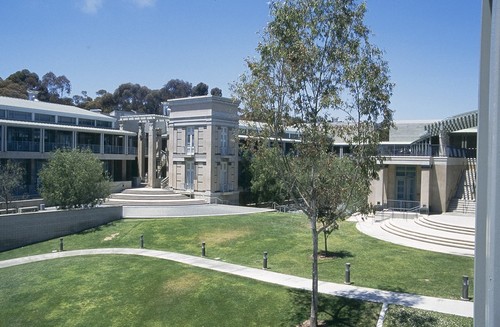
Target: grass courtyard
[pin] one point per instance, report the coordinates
(146, 287)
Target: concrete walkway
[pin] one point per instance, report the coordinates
(454, 307)
(200, 210)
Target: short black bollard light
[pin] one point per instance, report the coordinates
(61, 244)
(465, 288)
(264, 261)
(142, 242)
(347, 274)
(203, 249)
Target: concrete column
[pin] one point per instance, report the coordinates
(42, 139)
(425, 186)
(443, 141)
(74, 139)
(125, 144)
(101, 143)
(487, 252)
(152, 154)
(2, 138)
(124, 170)
(141, 135)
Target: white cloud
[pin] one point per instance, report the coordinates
(91, 6)
(144, 3)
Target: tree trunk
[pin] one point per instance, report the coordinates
(326, 243)
(314, 295)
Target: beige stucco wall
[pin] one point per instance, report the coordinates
(445, 175)
(436, 181)
(208, 115)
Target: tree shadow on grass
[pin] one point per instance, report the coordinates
(334, 311)
(407, 317)
(335, 254)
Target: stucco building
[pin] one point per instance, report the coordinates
(31, 130)
(203, 147)
(429, 165)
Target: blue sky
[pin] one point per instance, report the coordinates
(432, 46)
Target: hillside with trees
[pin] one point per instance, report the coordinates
(127, 96)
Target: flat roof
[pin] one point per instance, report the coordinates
(60, 127)
(51, 108)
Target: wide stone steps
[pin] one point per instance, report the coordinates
(150, 197)
(435, 233)
(429, 222)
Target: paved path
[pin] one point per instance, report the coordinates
(200, 210)
(455, 307)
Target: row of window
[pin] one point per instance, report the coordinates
(29, 140)
(190, 173)
(190, 141)
(53, 119)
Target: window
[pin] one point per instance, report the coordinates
(86, 122)
(19, 115)
(224, 187)
(66, 120)
(406, 186)
(2, 113)
(45, 118)
(189, 175)
(190, 140)
(103, 124)
(223, 141)
(23, 139)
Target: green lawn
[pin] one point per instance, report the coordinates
(136, 291)
(243, 239)
(398, 316)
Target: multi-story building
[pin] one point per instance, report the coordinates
(203, 147)
(31, 130)
(429, 165)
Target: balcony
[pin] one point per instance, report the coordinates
(424, 151)
(189, 150)
(114, 149)
(132, 150)
(226, 151)
(26, 146)
(51, 146)
(95, 148)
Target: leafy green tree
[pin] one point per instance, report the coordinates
(74, 179)
(216, 92)
(176, 88)
(314, 63)
(25, 78)
(11, 178)
(130, 97)
(12, 90)
(199, 89)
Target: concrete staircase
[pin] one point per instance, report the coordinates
(150, 197)
(426, 229)
(464, 201)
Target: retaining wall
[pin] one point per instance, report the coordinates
(18, 230)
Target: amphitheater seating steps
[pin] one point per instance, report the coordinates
(427, 230)
(150, 197)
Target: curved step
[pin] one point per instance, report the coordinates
(389, 227)
(428, 223)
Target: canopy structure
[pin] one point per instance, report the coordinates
(452, 124)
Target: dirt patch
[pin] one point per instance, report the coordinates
(222, 236)
(182, 284)
(110, 237)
